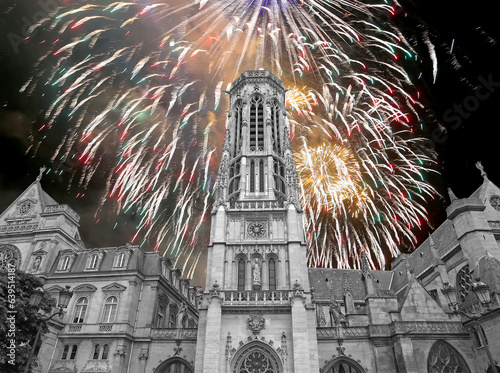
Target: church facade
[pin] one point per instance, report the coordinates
(262, 310)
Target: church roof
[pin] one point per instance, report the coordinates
(422, 259)
(340, 278)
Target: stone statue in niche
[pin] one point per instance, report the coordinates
(36, 264)
(180, 316)
(336, 315)
(256, 275)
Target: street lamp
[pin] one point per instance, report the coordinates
(482, 292)
(35, 299)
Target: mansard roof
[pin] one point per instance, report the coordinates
(337, 278)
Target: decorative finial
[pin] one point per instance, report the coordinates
(42, 170)
(365, 264)
(452, 195)
(431, 242)
(480, 167)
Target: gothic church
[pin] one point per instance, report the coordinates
(262, 310)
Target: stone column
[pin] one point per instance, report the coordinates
(281, 273)
(300, 334)
(265, 276)
(405, 356)
(211, 356)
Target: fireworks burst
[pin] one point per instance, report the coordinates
(140, 87)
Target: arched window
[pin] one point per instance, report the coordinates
(256, 123)
(464, 283)
(343, 364)
(93, 261)
(100, 353)
(256, 358)
(261, 176)
(443, 357)
(252, 176)
(175, 365)
(65, 263)
(120, 261)
(74, 349)
(238, 132)
(275, 127)
(272, 274)
(97, 351)
(64, 355)
(110, 307)
(160, 317)
(80, 310)
(105, 350)
(173, 316)
(241, 274)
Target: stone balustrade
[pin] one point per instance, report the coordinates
(396, 327)
(260, 297)
(174, 333)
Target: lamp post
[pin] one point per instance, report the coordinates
(35, 298)
(482, 292)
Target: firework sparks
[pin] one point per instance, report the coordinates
(153, 101)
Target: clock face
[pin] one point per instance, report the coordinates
(256, 229)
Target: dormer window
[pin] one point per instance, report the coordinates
(120, 262)
(65, 263)
(66, 260)
(122, 256)
(93, 261)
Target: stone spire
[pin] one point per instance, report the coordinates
(452, 195)
(42, 170)
(480, 167)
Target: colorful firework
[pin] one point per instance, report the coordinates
(140, 87)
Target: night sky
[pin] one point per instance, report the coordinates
(459, 101)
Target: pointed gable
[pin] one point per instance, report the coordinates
(416, 304)
(34, 209)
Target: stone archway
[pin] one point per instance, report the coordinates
(175, 365)
(342, 364)
(256, 357)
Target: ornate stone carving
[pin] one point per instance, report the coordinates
(256, 323)
(10, 256)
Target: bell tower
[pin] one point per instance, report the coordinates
(257, 303)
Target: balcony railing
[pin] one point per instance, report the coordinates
(95, 328)
(174, 333)
(256, 297)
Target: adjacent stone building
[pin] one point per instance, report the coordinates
(262, 309)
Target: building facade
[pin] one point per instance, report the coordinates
(262, 310)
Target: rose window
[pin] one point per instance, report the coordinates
(9, 257)
(256, 359)
(25, 207)
(495, 202)
(256, 362)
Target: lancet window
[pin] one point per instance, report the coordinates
(238, 112)
(256, 123)
(275, 127)
(241, 274)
